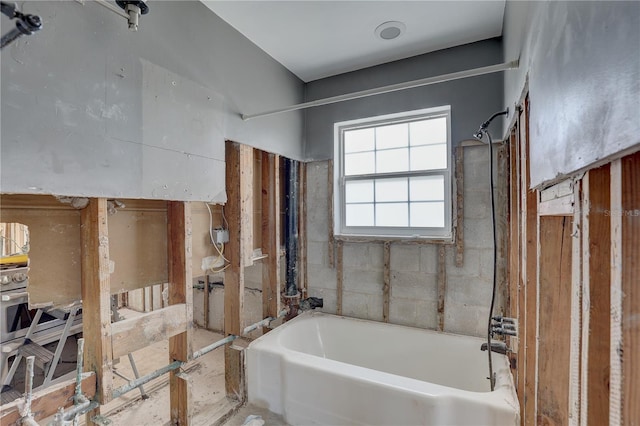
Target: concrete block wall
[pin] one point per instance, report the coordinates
(413, 267)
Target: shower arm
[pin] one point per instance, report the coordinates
(485, 125)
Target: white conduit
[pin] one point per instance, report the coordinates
(390, 88)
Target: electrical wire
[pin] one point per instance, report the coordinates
(218, 249)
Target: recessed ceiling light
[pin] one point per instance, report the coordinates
(390, 30)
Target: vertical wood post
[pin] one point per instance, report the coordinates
(239, 212)
(180, 291)
(271, 234)
(96, 299)
(630, 221)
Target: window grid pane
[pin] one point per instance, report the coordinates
(417, 149)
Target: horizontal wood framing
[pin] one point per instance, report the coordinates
(135, 333)
(46, 402)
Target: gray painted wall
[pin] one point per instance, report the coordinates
(91, 108)
(472, 100)
(583, 64)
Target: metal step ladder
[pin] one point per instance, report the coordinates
(46, 360)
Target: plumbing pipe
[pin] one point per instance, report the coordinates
(390, 88)
(27, 415)
(79, 362)
(197, 354)
(113, 8)
(291, 227)
(265, 322)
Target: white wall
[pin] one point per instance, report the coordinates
(90, 108)
(582, 60)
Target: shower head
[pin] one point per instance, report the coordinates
(485, 125)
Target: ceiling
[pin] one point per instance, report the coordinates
(317, 39)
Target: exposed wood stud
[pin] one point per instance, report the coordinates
(271, 234)
(96, 298)
(459, 159)
(339, 276)
(596, 298)
(179, 246)
(615, 358)
(630, 218)
(239, 178)
(513, 278)
(331, 252)
(442, 285)
(575, 309)
(386, 288)
(555, 325)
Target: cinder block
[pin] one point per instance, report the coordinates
(427, 314)
(355, 304)
(363, 256)
(429, 259)
(414, 285)
(477, 204)
(317, 222)
(375, 307)
(402, 311)
(253, 276)
(472, 291)
(465, 319)
(363, 281)
(317, 253)
(471, 265)
(321, 277)
(317, 178)
(405, 258)
(477, 233)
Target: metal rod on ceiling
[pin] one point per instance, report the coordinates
(390, 88)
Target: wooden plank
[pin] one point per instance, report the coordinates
(513, 218)
(559, 190)
(339, 276)
(615, 357)
(46, 402)
(271, 234)
(96, 299)
(555, 274)
(563, 206)
(630, 175)
(442, 285)
(135, 333)
(459, 158)
(386, 287)
(238, 207)
(179, 248)
(332, 243)
(576, 311)
(596, 298)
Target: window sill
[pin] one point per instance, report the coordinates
(354, 238)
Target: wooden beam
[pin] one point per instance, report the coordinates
(459, 158)
(271, 234)
(442, 285)
(46, 402)
(386, 288)
(555, 325)
(180, 293)
(339, 276)
(576, 311)
(630, 212)
(615, 316)
(239, 178)
(135, 333)
(96, 298)
(596, 296)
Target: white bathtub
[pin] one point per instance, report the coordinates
(328, 370)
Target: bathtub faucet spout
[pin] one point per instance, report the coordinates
(498, 347)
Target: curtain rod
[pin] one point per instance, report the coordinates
(390, 88)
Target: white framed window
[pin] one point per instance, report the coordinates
(392, 175)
